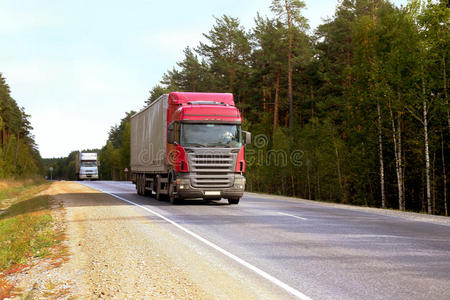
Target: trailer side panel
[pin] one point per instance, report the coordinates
(149, 138)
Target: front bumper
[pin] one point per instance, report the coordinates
(185, 190)
(88, 176)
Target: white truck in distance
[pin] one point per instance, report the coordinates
(86, 166)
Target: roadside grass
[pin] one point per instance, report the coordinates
(12, 191)
(25, 228)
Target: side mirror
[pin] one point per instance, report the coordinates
(170, 134)
(170, 137)
(247, 138)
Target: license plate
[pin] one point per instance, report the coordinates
(212, 193)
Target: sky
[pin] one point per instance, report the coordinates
(78, 66)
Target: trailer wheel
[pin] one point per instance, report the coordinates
(234, 200)
(142, 181)
(149, 191)
(138, 184)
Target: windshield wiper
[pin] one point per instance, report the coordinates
(219, 145)
(194, 145)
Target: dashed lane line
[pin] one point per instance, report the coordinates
(293, 216)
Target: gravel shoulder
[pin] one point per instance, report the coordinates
(115, 251)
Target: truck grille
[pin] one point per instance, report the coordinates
(212, 170)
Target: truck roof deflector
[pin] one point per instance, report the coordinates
(207, 103)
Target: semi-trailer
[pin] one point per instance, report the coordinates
(86, 166)
(189, 146)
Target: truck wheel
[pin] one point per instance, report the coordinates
(144, 186)
(158, 188)
(172, 197)
(138, 184)
(234, 200)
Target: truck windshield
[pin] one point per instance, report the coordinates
(211, 135)
(88, 164)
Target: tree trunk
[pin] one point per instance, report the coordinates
(318, 185)
(8, 141)
(231, 74)
(338, 166)
(275, 110)
(380, 155)
(338, 163)
(403, 179)
(444, 175)
(427, 154)
(433, 183)
(401, 162)
(396, 136)
(291, 100)
(17, 149)
(308, 180)
(444, 79)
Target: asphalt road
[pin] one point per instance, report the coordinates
(324, 252)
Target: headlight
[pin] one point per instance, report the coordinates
(239, 180)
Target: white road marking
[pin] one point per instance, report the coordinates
(297, 217)
(258, 271)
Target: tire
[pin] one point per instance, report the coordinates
(158, 188)
(142, 184)
(234, 200)
(138, 184)
(145, 192)
(172, 197)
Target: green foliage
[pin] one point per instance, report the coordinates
(155, 93)
(289, 12)
(19, 156)
(227, 56)
(193, 75)
(64, 167)
(115, 155)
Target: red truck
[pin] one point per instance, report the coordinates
(189, 146)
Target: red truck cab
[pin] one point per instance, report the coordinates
(206, 146)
